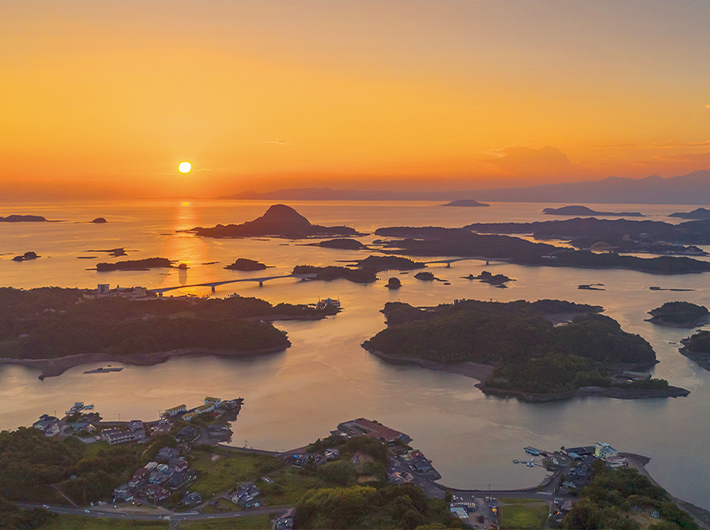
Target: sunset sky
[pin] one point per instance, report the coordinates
(106, 98)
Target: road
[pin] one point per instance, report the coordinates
(165, 515)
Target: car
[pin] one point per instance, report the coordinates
(46, 507)
(138, 504)
(86, 511)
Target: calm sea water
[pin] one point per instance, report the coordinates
(301, 394)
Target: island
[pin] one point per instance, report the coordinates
(497, 280)
(23, 219)
(437, 241)
(515, 350)
(244, 264)
(278, 221)
(53, 329)
(699, 213)
(470, 203)
(99, 220)
(113, 252)
(363, 271)
(583, 210)
(679, 315)
(393, 283)
(135, 264)
(425, 276)
(342, 244)
(27, 256)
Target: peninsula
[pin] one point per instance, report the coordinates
(697, 349)
(53, 329)
(515, 350)
(699, 213)
(583, 210)
(278, 221)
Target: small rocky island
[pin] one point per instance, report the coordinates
(469, 203)
(679, 315)
(393, 283)
(583, 210)
(27, 256)
(278, 221)
(135, 264)
(514, 349)
(99, 221)
(244, 264)
(425, 276)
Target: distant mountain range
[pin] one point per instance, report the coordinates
(693, 188)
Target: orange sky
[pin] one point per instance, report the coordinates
(105, 98)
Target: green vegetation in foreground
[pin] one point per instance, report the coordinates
(78, 522)
(611, 496)
(529, 353)
(518, 501)
(679, 313)
(56, 322)
(521, 516)
(253, 522)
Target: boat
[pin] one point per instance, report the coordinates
(516, 461)
(532, 451)
(322, 304)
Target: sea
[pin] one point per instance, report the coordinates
(296, 396)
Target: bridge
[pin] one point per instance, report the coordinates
(450, 261)
(303, 277)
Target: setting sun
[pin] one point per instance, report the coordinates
(184, 167)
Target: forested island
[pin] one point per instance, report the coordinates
(435, 241)
(363, 271)
(134, 264)
(679, 314)
(244, 264)
(15, 218)
(53, 328)
(468, 203)
(526, 355)
(342, 244)
(583, 210)
(278, 221)
(699, 213)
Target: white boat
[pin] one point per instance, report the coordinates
(322, 304)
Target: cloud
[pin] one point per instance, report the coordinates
(277, 142)
(519, 160)
(668, 144)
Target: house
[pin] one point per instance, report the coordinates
(177, 464)
(174, 411)
(285, 522)
(332, 454)
(246, 495)
(150, 466)
(176, 480)
(159, 476)
(202, 409)
(189, 416)
(139, 479)
(215, 402)
(192, 498)
(108, 432)
(616, 461)
(123, 493)
(187, 434)
(233, 403)
(166, 453)
(45, 423)
(577, 453)
(156, 492)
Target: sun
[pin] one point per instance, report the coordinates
(184, 167)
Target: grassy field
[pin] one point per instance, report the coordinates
(522, 516)
(253, 522)
(78, 522)
(519, 501)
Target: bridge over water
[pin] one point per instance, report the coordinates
(452, 260)
(303, 277)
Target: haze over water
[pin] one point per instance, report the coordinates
(325, 377)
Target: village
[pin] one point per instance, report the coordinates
(169, 472)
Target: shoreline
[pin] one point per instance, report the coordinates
(59, 365)
(482, 372)
(701, 359)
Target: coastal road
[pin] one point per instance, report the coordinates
(174, 518)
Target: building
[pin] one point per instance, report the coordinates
(189, 416)
(123, 493)
(136, 425)
(139, 479)
(215, 402)
(202, 409)
(616, 461)
(187, 434)
(121, 437)
(603, 450)
(156, 492)
(369, 428)
(246, 495)
(177, 464)
(331, 454)
(175, 411)
(285, 522)
(192, 498)
(166, 454)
